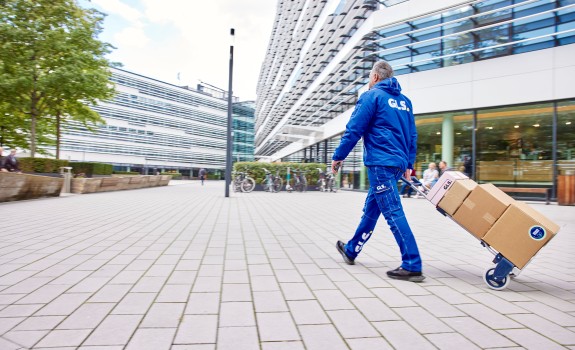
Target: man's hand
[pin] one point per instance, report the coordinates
(335, 165)
(407, 174)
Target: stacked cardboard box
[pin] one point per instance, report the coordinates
(458, 192)
(512, 228)
(481, 209)
(443, 184)
(520, 233)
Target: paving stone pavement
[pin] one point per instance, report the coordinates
(184, 268)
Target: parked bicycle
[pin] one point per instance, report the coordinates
(300, 182)
(321, 182)
(326, 181)
(289, 189)
(272, 183)
(243, 183)
(330, 182)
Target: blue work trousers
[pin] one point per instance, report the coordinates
(383, 198)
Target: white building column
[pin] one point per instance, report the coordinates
(447, 141)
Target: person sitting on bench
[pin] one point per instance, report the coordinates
(430, 175)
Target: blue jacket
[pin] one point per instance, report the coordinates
(384, 118)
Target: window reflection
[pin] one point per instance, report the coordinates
(484, 30)
(514, 144)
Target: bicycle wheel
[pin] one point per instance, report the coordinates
(248, 185)
(236, 186)
(297, 187)
(277, 185)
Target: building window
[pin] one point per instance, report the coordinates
(514, 145)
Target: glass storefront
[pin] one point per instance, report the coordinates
(436, 131)
(515, 145)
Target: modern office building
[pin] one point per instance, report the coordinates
(489, 80)
(155, 126)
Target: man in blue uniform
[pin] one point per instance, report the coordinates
(384, 118)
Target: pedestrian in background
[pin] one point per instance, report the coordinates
(10, 163)
(203, 174)
(2, 169)
(443, 167)
(406, 189)
(384, 118)
(430, 175)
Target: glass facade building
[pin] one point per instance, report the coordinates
(155, 126)
(489, 80)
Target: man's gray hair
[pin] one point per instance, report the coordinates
(382, 69)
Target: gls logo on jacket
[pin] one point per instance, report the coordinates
(387, 126)
(393, 104)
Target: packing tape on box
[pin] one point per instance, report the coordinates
(489, 218)
(469, 204)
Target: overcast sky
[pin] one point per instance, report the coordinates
(161, 38)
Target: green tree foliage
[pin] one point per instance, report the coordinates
(41, 165)
(52, 69)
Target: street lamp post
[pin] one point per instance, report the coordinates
(228, 176)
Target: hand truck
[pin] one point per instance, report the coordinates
(497, 277)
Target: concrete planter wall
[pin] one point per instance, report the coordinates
(15, 187)
(117, 183)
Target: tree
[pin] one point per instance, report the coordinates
(52, 67)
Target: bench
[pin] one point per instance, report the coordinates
(545, 191)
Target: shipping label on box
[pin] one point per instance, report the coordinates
(479, 211)
(455, 195)
(443, 184)
(520, 233)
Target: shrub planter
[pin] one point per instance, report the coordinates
(118, 183)
(15, 187)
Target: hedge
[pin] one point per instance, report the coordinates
(89, 169)
(255, 170)
(41, 165)
(175, 175)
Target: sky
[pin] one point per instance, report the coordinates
(184, 42)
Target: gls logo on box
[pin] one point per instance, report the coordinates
(393, 104)
(447, 184)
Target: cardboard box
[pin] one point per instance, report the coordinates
(479, 211)
(444, 182)
(455, 195)
(520, 233)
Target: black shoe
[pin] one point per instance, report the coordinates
(404, 275)
(341, 249)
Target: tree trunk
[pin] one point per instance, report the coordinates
(58, 135)
(32, 134)
(33, 119)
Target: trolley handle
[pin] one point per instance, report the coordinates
(414, 181)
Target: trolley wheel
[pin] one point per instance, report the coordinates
(489, 278)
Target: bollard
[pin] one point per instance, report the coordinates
(566, 187)
(66, 173)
